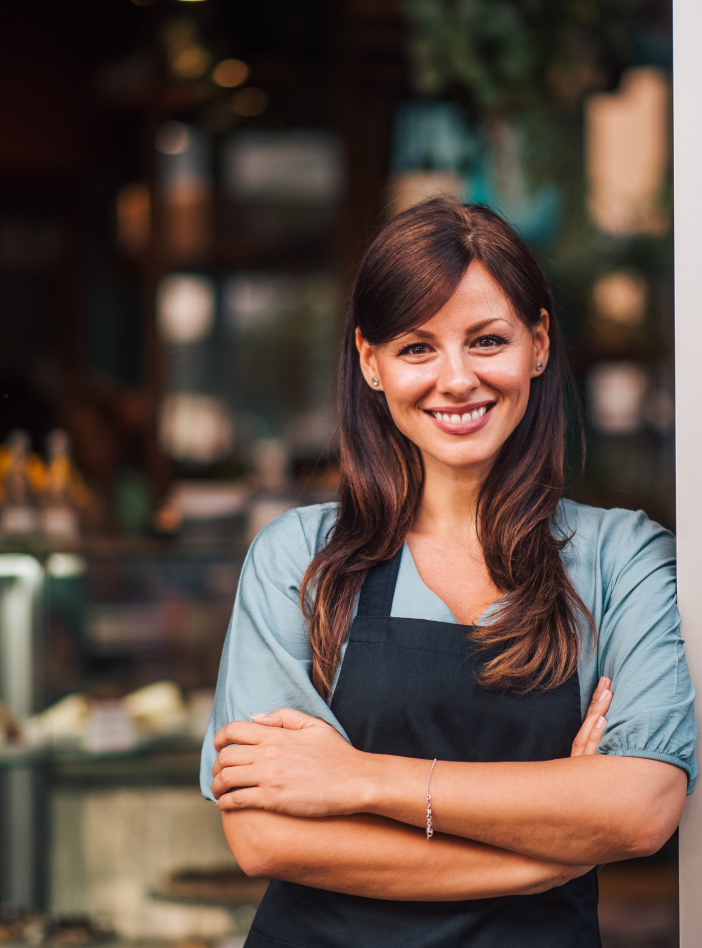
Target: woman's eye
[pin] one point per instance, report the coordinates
(489, 342)
(416, 349)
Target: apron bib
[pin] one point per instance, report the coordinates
(407, 687)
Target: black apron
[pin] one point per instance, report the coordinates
(407, 687)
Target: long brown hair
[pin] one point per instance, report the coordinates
(408, 274)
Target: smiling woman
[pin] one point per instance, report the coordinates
(409, 734)
(451, 312)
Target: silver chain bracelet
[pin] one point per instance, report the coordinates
(430, 829)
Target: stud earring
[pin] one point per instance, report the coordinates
(375, 382)
(539, 366)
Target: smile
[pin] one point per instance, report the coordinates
(462, 421)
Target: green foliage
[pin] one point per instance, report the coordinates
(530, 62)
(510, 55)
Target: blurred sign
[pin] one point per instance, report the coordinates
(256, 299)
(292, 166)
(195, 427)
(431, 135)
(628, 146)
(109, 728)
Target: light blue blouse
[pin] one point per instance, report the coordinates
(622, 564)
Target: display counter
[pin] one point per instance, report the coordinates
(98, 620)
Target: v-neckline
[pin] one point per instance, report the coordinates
(431, 594)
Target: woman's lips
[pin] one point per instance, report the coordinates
(460, 428)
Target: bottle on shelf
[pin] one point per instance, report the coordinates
(21, 474)
(59, 516)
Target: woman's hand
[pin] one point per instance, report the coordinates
(287, 762)
(585, 744)
(590, 734)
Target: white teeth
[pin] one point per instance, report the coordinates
(463, 419)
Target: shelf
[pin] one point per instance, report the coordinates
(173, 760)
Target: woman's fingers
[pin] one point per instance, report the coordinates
(251, 732)
(588, 745)
(239, 732)
(286, 717)
(231, 778)
(604, 684)
(233, 755)
(248, 798)
(590, 734)
(300, 765)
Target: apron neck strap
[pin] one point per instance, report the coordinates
(379, 588)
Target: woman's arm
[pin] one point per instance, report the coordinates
(580, 811)
(382, 859)
(584, 810)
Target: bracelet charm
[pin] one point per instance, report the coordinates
(430, 829)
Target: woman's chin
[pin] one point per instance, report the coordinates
(459, 460)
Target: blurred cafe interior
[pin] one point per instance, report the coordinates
(185, 189)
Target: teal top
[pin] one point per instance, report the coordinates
(622, 564)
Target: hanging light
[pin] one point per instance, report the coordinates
(230, 73)
(185, 308)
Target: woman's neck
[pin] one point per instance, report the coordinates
(445, 546)
(448, 503)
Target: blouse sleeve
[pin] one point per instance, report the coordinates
(640, 647)
(266, 657)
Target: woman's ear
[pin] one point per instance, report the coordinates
(369, 363)
(541, 345)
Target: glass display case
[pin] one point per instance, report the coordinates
(108, 655)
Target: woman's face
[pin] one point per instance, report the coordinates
(459, 385)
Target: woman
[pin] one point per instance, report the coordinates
(401, 735)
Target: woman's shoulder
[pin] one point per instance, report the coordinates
(295, 537)
(614, 537)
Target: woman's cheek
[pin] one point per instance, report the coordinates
(512, 382)
(405, 388)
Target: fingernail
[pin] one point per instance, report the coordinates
(601, 683)
(605, 694)
(601, 722)
(255, 716)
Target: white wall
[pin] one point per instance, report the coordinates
(687, 80)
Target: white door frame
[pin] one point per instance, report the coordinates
(687, 90)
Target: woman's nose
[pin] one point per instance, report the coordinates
(457, 377)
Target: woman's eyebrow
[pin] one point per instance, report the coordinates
(484, 323)
(475, 327)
